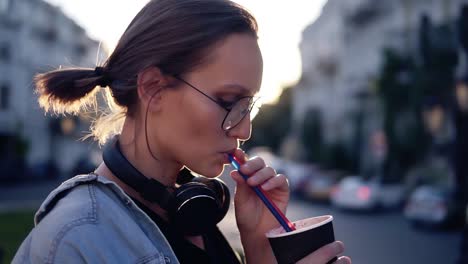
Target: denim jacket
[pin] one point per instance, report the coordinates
(89, 219)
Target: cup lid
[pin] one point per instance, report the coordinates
(301, 226)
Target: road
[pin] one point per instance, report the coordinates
(383, 238)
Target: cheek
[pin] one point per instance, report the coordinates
(205, 122)
(191, 126)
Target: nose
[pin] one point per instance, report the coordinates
(243, 130)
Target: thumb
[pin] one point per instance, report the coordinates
(242, 189)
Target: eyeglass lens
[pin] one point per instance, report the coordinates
(238, 112)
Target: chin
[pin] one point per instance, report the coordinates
(210, 169)
(213, 171)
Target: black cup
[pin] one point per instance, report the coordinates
(310, 235)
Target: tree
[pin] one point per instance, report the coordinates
(404, 87)
(461, 146)
(272, 123)
(401, 101)
(311, 136)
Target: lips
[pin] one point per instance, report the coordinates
(226, 154)
(230, 151)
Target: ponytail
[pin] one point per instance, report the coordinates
(175, 36)
(69, 90)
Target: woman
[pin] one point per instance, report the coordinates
(184, 75)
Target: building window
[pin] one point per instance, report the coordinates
(80, 50)
(4, 97)
(5, 52)
(365, 14)
(4, 6)
(46, 34)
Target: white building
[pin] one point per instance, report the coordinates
(36, 37)
(341, 55)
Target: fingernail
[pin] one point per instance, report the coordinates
(343, 260)
(265, 186)
(339, 247)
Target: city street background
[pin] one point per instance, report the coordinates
(365, 112)
(384, 238)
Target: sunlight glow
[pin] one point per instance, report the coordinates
(280, 29)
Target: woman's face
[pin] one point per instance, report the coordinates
(188, 128)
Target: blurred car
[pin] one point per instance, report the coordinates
(317, 185)
(295, 171)
(355, 193)
(83, 165)
(270, 158)
(433, 206)
(44, 169)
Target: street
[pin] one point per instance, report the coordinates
(383, 237)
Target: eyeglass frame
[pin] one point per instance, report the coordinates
(253, 99)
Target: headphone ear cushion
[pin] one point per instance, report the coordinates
(195, 208)
(222, 194)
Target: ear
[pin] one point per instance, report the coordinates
(150, 84)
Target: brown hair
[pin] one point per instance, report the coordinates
(174, 35)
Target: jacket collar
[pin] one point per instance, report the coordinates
(69, 184)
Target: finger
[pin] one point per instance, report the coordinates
(242, 188)
(343, 260)
(241, 184)
(278, 182)
(261, 176)
(235, 175)
(324, 254)
(252, 165)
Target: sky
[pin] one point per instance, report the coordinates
(280, 29)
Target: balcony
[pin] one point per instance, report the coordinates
(46, 34)
(365, 14)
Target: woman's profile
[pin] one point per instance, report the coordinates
(181, 83)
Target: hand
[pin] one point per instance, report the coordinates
(326, 253)
(252, 216)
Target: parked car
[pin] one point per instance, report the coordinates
(295, 171)
(355, 193)
(44, 170)
(270, 158)
(318, 185)
(83, 165)
(434, 206)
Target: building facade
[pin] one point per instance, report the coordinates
(342, 53)
(36, 37)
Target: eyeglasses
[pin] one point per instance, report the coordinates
(235, 111)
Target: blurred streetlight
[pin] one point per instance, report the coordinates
(434, 118)
(461, 153)
(67, 125)
(461, 95)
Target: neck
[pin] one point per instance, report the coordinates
(102, 170)
(135, 148)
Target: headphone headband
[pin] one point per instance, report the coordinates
(194, 207)
(150, 189)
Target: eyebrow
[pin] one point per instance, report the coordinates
(235, 86)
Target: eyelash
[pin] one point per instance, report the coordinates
(227, 104)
